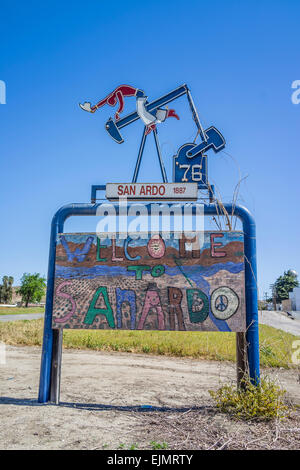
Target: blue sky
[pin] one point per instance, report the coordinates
(239, 60)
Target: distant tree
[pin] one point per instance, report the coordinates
(6, 290)
(32, 288)
(285, 284)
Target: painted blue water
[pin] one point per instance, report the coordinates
(195, 272)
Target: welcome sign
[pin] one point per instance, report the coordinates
(150, 283)
(160, 282)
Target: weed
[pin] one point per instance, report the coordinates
(267, 350)
(263, 402)
(133, 447)
(156, 445)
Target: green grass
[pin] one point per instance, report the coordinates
(158, 446)
(20, 310)
(275, 345)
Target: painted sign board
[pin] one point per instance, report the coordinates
(150, 283)
(152, 191)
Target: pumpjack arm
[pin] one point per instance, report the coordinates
(113, 127)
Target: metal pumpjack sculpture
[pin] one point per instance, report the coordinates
(190, 163)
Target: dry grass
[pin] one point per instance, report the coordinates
(208, 429)
(276, 345)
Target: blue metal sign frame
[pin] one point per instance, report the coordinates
(252, 334)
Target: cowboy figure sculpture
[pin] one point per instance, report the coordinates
(117, 97)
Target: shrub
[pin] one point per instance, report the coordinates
(263, 402)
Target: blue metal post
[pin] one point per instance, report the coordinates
(252, 333)
(139, 158)
(252, 336)
(57, 226)
(161, 163)
(95, 188)
(45, 373)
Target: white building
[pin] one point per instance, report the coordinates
(295, 298)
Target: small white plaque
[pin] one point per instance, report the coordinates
(150, 191)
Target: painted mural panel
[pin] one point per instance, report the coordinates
(150, 283)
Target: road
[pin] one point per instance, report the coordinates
(112, 399)
(21, 316)
(280, 321)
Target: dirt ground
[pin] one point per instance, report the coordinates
(120, 400)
